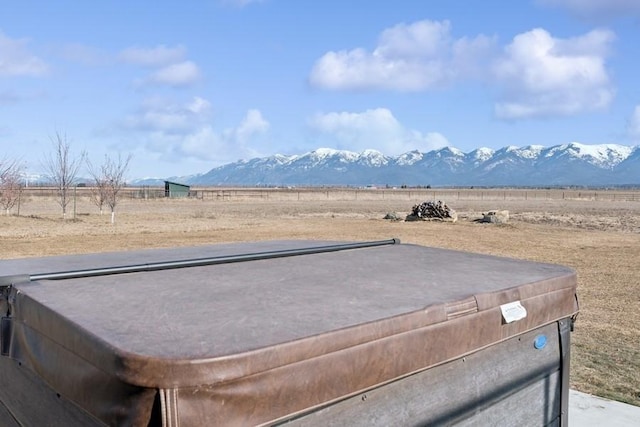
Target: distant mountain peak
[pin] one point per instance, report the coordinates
(371, 153)
(534, 165)
(325, 152)
(409, 158)
(530, 151)
(482, 154)
(452, 150)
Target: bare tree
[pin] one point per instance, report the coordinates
(99, 189)
(62, 169)
(10, 184)
(109, 180)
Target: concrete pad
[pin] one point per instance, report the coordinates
(592, 411)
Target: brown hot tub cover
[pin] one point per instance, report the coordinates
(251, 333)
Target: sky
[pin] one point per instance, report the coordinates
(183, 87)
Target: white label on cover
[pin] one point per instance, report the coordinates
(513, 311)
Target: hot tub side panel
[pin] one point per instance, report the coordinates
(518, 382)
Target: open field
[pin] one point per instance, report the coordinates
(596, 233)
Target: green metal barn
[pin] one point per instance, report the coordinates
(175, 190)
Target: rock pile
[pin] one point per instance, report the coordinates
(432, 210)
(495, 217)
(392, 216)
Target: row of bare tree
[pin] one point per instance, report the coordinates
(62, 168)
(10, 184)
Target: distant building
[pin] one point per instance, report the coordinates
(175, 190)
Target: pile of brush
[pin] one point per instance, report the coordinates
(432, 210)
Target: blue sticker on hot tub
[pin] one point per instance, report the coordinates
(540, 342)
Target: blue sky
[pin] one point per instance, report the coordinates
(187, 86)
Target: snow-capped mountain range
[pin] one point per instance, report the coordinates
(534, 165)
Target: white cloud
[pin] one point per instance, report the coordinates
(177, 75)
(16, 60)
(174, 131)
(203, 143)
(408, 57)
(252, 124)
(633, 127)
(171, 68)
(597, 9)
(153, 57)
(226, 146)
(161, 115)
(544, 76)
(199, 106)
(421, 39)
(374, 129)
(537, 75)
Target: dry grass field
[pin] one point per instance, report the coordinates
(597, 236)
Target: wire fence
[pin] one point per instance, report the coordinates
(337, 194)
(352, 194)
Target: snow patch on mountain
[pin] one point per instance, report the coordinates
(408, 159)
(603, 155)
(374, 158)
(530, 152)
(449, 151)
(482, 154)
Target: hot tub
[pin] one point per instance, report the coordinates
(285, 332)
